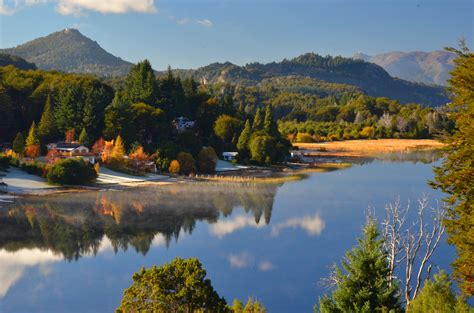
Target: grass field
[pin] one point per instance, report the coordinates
(367, 147)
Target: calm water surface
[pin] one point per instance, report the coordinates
(76, 253)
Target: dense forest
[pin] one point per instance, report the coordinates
(257, 121)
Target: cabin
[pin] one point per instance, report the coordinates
(71, 150)
(229, 156)
(182, 124)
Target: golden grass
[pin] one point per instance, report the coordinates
(364, 147)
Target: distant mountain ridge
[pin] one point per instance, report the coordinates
(369, 77)
(417, 66)
(16, 61)
(70, 51)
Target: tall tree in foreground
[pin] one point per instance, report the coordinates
(363, 284)
(456, 175)
(19, 144)
(180, 286)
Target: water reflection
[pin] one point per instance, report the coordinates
(73, 226)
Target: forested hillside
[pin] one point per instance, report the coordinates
(70, 51)
(7, 59)
(370, 78)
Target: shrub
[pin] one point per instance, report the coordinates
(207, 160)
(186, 163)
(34, 168)
(174, 167)
(304, 137)
(367, 132)
(74, 171)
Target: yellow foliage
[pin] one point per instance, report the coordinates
(174, 167)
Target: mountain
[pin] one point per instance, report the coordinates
(372, 79)
(425, 67)
(7, 59)
(70, 51)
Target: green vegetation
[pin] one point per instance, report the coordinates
(363, 285)
(456, 175)
(16, 61)
(74, 171)
(178, 286)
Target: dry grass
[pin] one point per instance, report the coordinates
(367, 147)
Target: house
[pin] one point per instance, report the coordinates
(64, 150)
(182, 124)
(229, 156)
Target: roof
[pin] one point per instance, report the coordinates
(66, 145)
(230, 153)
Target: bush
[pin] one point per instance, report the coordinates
(34, 168)
(74, 171)
(174, 167)
(304, 138)
(186, 163)
(207, 160)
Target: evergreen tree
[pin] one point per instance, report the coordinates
(363, 285)
(6, 113)
(258, 120)
(83, 137)
(244, 138)
(141, 84)
(118, 119)
(32, 138)
(456, 175)
(47, 125)
(269, 124)
(19, 143)
(69, 107)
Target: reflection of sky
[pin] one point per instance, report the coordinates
(313, 222)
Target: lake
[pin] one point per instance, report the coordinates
(77, 252)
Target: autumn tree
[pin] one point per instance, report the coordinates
(84, 137)
(174, 167)
(139, 158)
(456, 174)
(178, 286)
(70, 135)
(32, 149)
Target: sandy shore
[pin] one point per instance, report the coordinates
(354, 148)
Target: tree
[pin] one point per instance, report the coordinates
(47, 125)
(32, 142)
(252, 306)
(139, 158)
(118, 119)
(141, 84)
(70, 135)
(18, 143)
(84, 137)
(258, 120)
(178, 286)
(118, 152)
(269, 125)
(437, 296)
(227, 128)
(207, 160)
(6, 113)
(456, 174)
(262, 149)
(244, 138)
(186, 163)
(363, 284)
(72, 171)
(174, 167)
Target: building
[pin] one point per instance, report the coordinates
(182, 124)
(64, 150)
(229, 156)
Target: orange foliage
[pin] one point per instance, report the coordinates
(70, 135)
(99, 146)
(107, 150)
(32, 151)
(52, 156)
(174, 167)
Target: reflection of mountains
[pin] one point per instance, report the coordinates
(74, 224)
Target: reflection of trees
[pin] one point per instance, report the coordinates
(74, 224)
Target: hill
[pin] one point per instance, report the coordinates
(70, 51)
(7, 59)
(425, 67)
(369, 77)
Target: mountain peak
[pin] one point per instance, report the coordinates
(69, 50)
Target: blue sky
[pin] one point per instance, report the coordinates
(192, 33)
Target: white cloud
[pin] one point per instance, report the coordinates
(265, 266)
(79, 7)
(205, 22)
(241, 260)
(185, 21)
(14, 264)
(226, 227)
(313, 225)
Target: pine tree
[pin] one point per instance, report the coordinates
(269, 124)
(19, 143)
(363, 285)
(83, 137)
(244, 138)
(6, 112)
(141, 84)
(32, 142)
(47, 125)
(258, 120)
